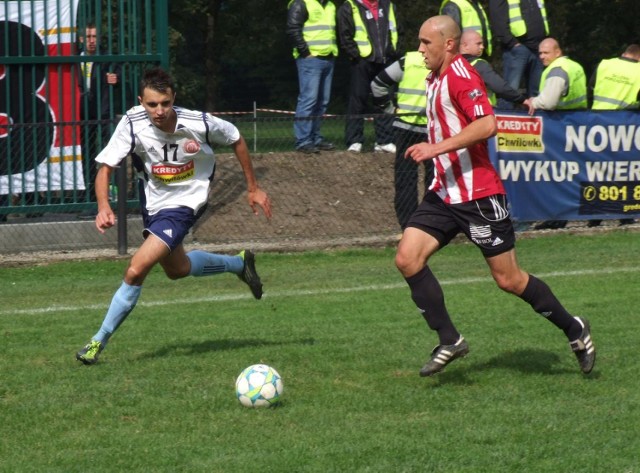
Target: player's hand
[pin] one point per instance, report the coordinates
(420, 152)
(105, 219)
(260, 197)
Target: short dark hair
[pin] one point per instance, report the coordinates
(157, 79)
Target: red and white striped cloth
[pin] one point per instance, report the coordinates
(454, 100)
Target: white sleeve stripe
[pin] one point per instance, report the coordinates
(478, 110)
(460, 70)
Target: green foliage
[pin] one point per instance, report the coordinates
(341, 329)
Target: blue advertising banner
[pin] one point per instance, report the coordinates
(569, 165)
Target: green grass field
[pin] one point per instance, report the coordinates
(341, 329)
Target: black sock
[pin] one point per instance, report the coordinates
(544, 302)
(428, 296)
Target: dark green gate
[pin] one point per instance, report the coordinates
(61, 94)
(60, 98)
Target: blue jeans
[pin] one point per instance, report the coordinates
(517, 63)
(314, 78)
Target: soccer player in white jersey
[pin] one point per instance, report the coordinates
(467, 196)
(173, 155)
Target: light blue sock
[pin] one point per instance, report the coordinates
(123, 302)
(208, 264)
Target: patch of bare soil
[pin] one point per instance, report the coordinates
(323, 196)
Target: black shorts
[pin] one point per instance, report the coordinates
(485, 222)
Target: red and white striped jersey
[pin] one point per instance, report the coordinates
(454, 100)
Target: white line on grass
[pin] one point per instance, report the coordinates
(307, 292)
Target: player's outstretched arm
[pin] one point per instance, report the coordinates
(256, 196)
(105, 218)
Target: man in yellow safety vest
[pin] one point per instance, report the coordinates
(615, 85)
(408, 74)
(311, 27)
(616, 82)
(563, 86)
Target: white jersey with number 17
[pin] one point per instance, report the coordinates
(177, 167)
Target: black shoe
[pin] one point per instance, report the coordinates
(308, 149)
(551, 225)
(584, 348)
(594, 223)
(249, 274)
(325, 145)
(442, 355)
(627, 221)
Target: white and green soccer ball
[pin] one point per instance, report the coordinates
(259, 386)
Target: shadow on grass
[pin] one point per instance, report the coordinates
(188, 349)
(529, 361)
(534, 361)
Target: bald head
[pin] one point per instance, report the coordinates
(550, 43)
(549, 50)
(446, 26)
(439, 38)
(471, 43)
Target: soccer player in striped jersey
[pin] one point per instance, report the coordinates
(467, 196)
(172, 150)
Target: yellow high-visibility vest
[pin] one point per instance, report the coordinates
(577, 94)
(362, 38)
(319, 31)
(617, 85)
(517, 25)
(412, 96)
(471, 20)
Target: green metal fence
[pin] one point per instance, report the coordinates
(58, 103)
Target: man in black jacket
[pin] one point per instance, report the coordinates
(471, 48)
(519, 28)
(368, 35)
(104, 96)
